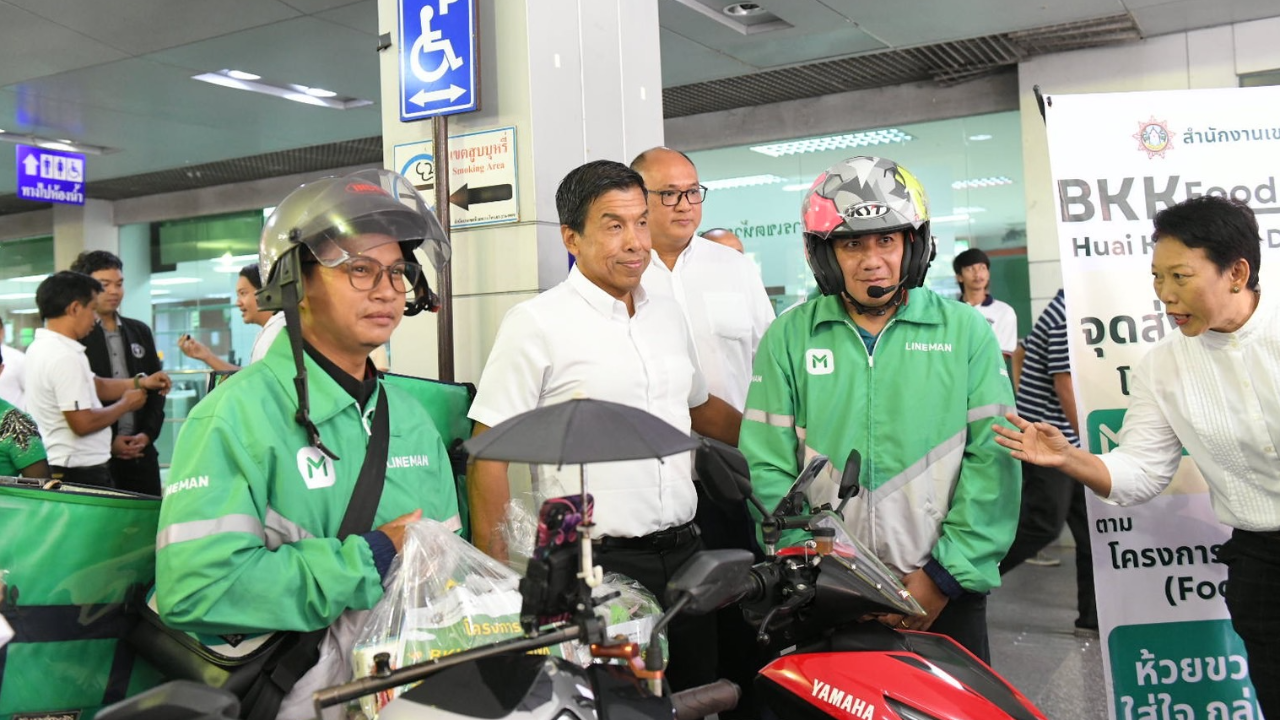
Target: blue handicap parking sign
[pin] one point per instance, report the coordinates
(437, 58)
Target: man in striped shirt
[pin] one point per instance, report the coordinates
(1050, 499)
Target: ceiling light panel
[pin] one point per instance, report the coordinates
(975, 183)
(834, 142)
(319, 97)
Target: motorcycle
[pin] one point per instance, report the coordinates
(814, 607)
(509, 679)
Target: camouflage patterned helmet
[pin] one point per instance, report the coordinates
(865, 195)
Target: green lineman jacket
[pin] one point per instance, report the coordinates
(934, 482)
(250, 511)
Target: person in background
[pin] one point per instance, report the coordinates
(121, 347)
(64, 396)
(1046, 393)
(21, 449)
(725, 237)
(973, 273)
(600, 334)
(13, 381)
(247, 286)
(1210, 388)
(883, 365)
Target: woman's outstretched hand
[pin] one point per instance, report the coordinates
(1038, 443)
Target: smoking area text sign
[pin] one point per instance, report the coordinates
(482, 176)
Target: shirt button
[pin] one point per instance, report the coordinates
(1269, 450)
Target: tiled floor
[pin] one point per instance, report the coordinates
(1033, 645)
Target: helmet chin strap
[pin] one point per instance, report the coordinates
(878, 311)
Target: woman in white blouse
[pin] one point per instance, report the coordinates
(1213, 388)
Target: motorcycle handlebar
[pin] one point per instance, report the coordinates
(698, 702)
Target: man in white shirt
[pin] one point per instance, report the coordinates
(600, 335)
(973, 273)
(63, 395)
(13, 379)
(720, 290)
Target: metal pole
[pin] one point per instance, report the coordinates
(444, 280)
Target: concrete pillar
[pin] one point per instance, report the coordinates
(578, 81)
(77, 228)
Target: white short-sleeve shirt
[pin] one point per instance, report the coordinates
(577, 341)
(59, 380)
(266, 336)
(1003, 320)
(13, 380)
(727, 309)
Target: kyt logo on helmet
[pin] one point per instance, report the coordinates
(864, 196)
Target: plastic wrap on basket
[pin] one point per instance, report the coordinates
(519, 529)
(445, 597)
(630, 611)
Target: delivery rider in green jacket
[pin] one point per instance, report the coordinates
(883, 365)
(260, 483)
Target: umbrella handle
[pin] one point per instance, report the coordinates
(592, 573)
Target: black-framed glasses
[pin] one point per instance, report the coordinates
(366, 273)
(671, 198)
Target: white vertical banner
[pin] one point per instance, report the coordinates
(1118, 159)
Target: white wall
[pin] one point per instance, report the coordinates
(1211, 58)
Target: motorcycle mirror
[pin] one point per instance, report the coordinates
(724, 473)
(849, 486)
(710, 580)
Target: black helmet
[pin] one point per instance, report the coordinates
(338, 217)
(866, 195)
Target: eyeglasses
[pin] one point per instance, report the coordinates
(366, 274)
(671, 198)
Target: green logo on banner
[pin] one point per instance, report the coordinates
(1103, 430)
(1188, 670)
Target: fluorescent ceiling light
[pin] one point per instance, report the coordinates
(979, 137)
(24, 311)
(797, 187)
(980, 183)
(17, 296)
(29, 279)
(834, 142)
(743, 181)
(174, 281)
(158, 291)
(959, 217)
(18, 138)
(969, 210)
(298, 93)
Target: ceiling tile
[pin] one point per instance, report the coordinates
(305, 51)
(1181, 15)
(362, 16)
(959, 20)
(312, 7)
(141, 26)
(34, 47)
(817, 32)
(685, 61)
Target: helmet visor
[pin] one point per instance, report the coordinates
(339, 218)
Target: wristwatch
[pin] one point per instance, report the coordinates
(137, 380)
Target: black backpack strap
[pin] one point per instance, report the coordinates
(301, 651)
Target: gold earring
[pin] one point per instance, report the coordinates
(1235, 288)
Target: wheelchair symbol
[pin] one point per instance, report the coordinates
(430, 42)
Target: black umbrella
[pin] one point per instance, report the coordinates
(576, 432)
(579, 431)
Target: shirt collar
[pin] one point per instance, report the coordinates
(603, 302)
(46, 333)
(917, 307)
(360, 390)
(1262, 319)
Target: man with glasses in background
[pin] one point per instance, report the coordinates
(725, 304)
